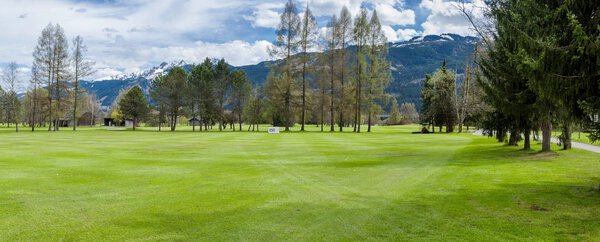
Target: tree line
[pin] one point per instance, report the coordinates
(338, 86)
(537, 66)
(449, 103)
(337, 78)
(53, 95)
(205, 94)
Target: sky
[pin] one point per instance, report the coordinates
(131, 36)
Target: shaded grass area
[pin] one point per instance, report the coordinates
(388, 185)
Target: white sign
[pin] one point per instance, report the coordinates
(274, 130)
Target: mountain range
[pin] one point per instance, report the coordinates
(410, 61)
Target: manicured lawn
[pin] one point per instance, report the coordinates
(388, 185)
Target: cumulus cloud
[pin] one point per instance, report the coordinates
(120, 34)
(391, 12)
(235, 52)
(265, 15)
(125, 36)
(446, 18)
(132, 57)
(390, 15)
(400, 34)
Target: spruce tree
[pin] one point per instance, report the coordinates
(134, 105)
(395, 116)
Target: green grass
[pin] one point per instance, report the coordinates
(96, 184)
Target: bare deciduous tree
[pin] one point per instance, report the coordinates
(83, 68)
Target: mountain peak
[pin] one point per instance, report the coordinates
(162, 69)
(153, 72)
(435, 38)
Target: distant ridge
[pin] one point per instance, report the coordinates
(410, 61)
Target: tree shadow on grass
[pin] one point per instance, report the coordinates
(474, 154)
(485, 154)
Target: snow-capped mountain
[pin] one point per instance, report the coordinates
(149, 74)
(435, 38)
(410, 61)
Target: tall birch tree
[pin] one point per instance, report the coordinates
(10, 79)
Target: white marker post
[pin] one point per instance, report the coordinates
(273, 130)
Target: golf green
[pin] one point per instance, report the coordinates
(96, 184)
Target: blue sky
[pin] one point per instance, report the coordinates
(130, 36)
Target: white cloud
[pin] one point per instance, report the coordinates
(105, 73)
(390, 12)
(390, 33)
(446, 18)
(235, 52)
(125, 36)
(400, 34)
(266, 15)
(407, 34)
(390, 15)
(119, 35)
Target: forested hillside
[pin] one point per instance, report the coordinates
(410, 61)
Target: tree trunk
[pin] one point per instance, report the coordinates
(159, 118)
(240, 119)
(50, 120)
(514, 138)
(174, 121)
(341, 107)
(332, 119)
(75, 101)
(358, 111)
(546, 132)
(527, 141)
(566, 137)
(93, 121)
(288, 113)
(369, 118)
(322, 109)
(501, 135)
(34, 107)
(303, 91)
(56, 125)
(221, 123)
(16, 121)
